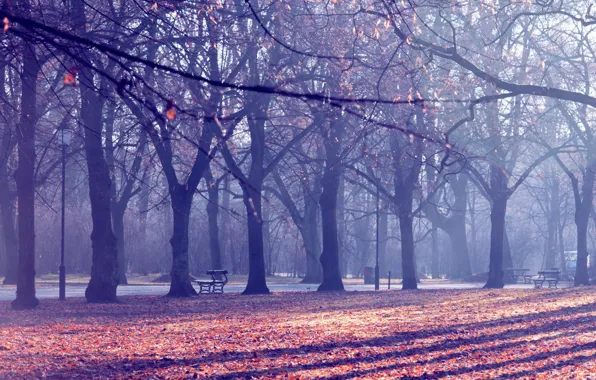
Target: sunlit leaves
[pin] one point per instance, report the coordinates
(6, 24)
(463, 334)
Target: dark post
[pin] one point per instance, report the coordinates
(377, 279)
(64, 141)
(389, 281)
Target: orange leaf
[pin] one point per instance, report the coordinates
(170, 110)
(69, 79)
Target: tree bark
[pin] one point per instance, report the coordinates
(408, 264)
(459, 247)
(330, 256)
(6, 201)
(181, 201)
(8, 228)
(330, 183)
(582, 219)
(342, 229)
(104, 269)
(25, 179)
(257, 283)
(118, 222)
(497, 229)
(312, 244)
(212, 216)
(434, 265)
(383, 239)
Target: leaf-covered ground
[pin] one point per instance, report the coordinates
(474, 334)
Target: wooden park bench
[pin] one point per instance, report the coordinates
(216, 284)
(551, 277)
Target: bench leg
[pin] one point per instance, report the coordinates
(552, 284)
(538, 284)
(204, 288)
(217, 288)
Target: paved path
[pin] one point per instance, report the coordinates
(8, 292)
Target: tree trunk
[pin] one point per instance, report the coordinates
(118, 221)
(330, 182)
(257, 283)
(104, 268)
(581, 221)
(434, 265)
(180, 285)
(267, 253)
(8, 229)
(212, 215)
(408, 265)
(507, 257)
(312, 244)
(497, 229)
(459, 246)
(561, 248)
(330, 256)
(342, 229)
(550, 249)
(25, 179)
(225, 238)
(383, 238)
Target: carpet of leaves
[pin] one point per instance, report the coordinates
(475, 334)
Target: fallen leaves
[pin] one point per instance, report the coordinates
(423, 334)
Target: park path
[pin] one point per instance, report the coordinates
(8, 292)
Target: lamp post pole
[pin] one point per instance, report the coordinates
(62, 276)
(377, 279)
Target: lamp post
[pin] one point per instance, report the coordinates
(377, 279)
(64, 135)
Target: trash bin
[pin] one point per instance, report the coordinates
(369, 275)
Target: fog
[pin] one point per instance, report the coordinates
(430, 139)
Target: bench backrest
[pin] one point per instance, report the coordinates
(217, 271)
(550, 274)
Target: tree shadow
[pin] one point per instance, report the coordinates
(576, 324)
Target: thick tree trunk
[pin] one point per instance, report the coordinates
(312, 244)
(581, 221)
(25, 179)
(118, 222)
(257, 283)
(104, 269)
(408, 265)
(561, 249)
(330, 182)
(7, 209)
(8, 229)
(507, 257)
(212, 216)
(180, 285)
(267, 254)
(550, 249)
(225, 238)
(434, 264)
(383, 239)
(497, 229)
(459, 247)
(342, 229)
(330, 256)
